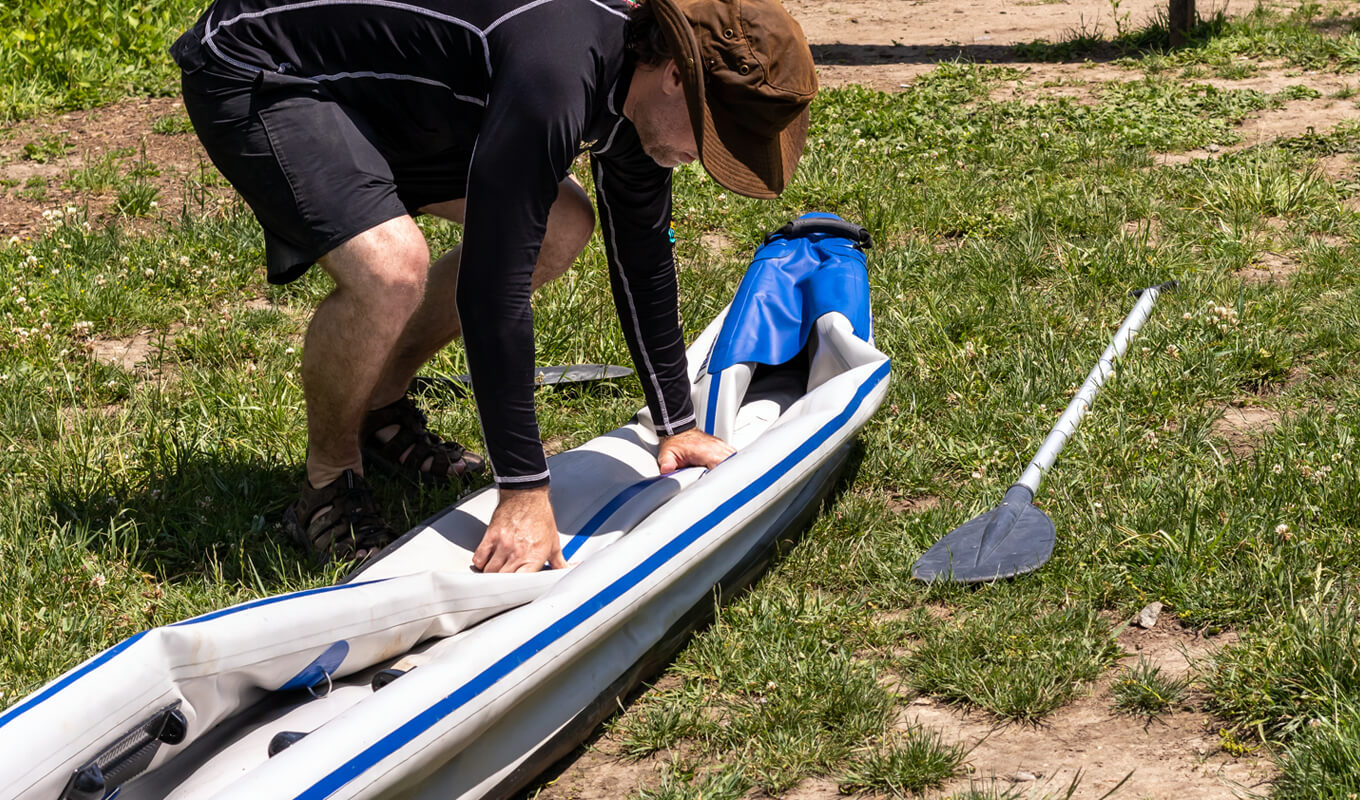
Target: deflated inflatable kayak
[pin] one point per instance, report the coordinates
(418, 677)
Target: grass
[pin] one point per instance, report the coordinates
(57, 55)
(1008, 232)
(1143, 690)
(907, 763)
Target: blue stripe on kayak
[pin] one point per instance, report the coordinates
(711, 414)
(67, 680)
(601, 516)
(423, 721)
(107, 655)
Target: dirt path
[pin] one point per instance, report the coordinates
(886, 43)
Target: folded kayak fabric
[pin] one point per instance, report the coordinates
(419, 677)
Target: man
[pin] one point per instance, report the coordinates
(337, 120)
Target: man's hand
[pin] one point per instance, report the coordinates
(693, 448)
(522, 536)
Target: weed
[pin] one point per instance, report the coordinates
(46, 149)
(172, 124)
(727, 784)
(96, 176)
(1294, 671)
(136, 198)
(35, 189)
(906, 763)
(56, 55)
(1143, 690)
(657, 726)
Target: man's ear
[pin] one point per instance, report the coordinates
(670, 78)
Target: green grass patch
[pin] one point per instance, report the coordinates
(1144, 690)
(905, 764)
(57, 55)
(1018, 661)
(1323, 761)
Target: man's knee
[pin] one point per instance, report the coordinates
(577, 213)
(570, 224)
(387, 265)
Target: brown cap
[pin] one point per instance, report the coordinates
(748, 77)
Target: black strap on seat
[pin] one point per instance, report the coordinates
(832, 227)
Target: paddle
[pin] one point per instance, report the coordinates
(1015, 537)
(461, 385)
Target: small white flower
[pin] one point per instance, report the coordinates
(149, 272)
(1277, 469)
(98, 580)
(289, 351)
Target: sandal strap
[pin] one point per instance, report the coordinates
(351, 524)
(413, 444)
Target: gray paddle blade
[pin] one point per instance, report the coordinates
(1011, 539)
(461, 385)
(577, 373)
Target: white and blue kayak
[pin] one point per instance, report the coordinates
(419, 677)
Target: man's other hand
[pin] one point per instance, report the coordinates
(693, 448)
(522, 536)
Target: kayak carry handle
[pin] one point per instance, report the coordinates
(806, 226)
(128, 757)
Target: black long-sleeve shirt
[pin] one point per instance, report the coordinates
(525, 86)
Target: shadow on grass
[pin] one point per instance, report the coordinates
(1079, 45)
(195, 512)
(187, 510)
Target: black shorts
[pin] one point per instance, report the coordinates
(311, 168)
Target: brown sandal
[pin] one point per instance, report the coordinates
(414, 450)
(340, 521)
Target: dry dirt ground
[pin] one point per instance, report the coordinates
(884, 44)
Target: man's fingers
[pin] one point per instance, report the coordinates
(556, 561)
(499, 558)
(482, 554)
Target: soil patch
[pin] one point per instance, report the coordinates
(1269, 268)
(1243, 427)
(717, 244)
(131, 353)
(120, 132)
(914, 505)
(1173, 756)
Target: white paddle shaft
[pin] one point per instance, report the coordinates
(1067, 423)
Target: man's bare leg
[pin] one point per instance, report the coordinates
(379, 279)
(435, 324)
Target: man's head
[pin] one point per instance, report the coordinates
(745, 73)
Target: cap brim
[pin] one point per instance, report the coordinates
(736, 158)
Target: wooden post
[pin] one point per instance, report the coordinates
(1181, 18)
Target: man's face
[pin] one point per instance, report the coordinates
(662, 122)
